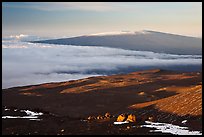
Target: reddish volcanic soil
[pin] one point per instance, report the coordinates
(165, 96)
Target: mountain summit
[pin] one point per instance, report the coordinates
(145, 40)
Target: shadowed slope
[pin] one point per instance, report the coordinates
(114, 93)
(167, 96)
(144, 41)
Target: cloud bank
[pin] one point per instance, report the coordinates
(26, 63)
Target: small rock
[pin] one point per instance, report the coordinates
(150, 118)
(99, 117)
(128, 127)
(122, 118)
(141, 93)
(89, 118)
(62, 130)
(108, 115)
(152, 96)
(131, 118)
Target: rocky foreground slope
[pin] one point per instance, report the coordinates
(81, 106)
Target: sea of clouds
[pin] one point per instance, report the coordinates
(25, 63)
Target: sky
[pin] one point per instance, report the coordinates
(66, 19)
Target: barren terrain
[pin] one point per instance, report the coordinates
(156, 95)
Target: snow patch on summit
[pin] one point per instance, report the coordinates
(18, 36)
(119, 33)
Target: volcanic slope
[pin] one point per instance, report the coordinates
(145, 40)
(166, 91)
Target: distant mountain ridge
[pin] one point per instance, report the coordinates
(145, 40)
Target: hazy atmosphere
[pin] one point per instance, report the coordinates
(58, 19)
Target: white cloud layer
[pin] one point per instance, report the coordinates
(26, 63)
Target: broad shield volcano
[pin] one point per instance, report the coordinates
(145, 40)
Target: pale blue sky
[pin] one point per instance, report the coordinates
(72, 19)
